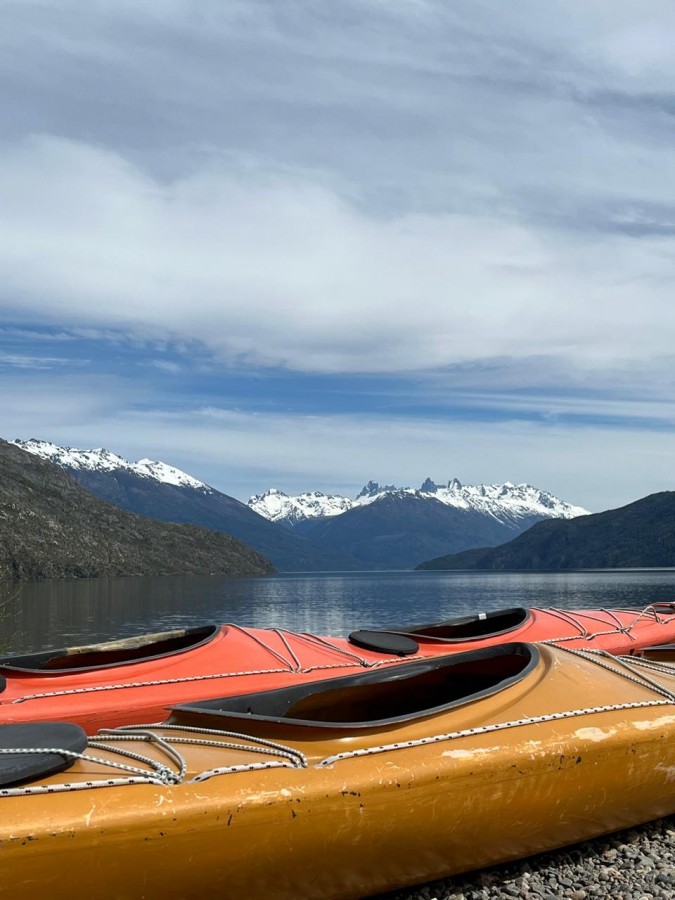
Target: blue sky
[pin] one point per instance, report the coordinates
(308, 244)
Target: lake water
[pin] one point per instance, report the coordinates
(54, 613)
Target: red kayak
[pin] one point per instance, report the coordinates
(134, 680)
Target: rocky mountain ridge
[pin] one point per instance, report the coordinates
(507, 502)
(163, 492)
(102, 460)
(51, 527)
(391, 527)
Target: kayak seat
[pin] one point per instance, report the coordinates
(465, 628)
(42, 737)
(113, 653)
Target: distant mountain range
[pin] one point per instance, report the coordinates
(639, 535)
(509, 504)
(393, 527)
(51, 527)
(382, 528)
(163, 492)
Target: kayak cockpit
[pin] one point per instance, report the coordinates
(375, 698)
(112, 653)
(404, 640)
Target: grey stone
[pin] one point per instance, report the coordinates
(638, 864)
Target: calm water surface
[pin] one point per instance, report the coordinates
(54, 613)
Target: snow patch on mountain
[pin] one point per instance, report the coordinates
(503, 500)
(506, 502)
(279, 507)
(101, 460)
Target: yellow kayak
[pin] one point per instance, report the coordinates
(342, 788)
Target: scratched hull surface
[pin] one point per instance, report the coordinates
(577, 745)
(97, 688)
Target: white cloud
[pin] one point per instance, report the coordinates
(278, 271)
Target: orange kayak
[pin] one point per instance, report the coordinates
(134, 680)
(339, 789)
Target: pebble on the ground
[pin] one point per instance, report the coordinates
(638, 864)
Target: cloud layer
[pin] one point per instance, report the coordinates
(375, 188)
(282, 272)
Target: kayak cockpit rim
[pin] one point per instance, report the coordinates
(464, 628)
(379, 697)
(139, 648)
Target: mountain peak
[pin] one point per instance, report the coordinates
(102, 460)
(270, 492)
(277, 506)
(373, 488)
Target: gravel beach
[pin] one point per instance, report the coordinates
(638, 864)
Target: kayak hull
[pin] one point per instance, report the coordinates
(571, 750)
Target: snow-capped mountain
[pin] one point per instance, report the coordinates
(393, 527)
(104, 461)
(383, 527)
(502, 500)
(507, 503)
(279, 507)
(163, 492)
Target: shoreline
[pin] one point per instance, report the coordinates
(635, 864)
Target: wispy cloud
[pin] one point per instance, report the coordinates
(20, 361)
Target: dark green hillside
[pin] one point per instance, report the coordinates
(639, 535)
(50, 527)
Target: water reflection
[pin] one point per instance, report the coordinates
(54, 613)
